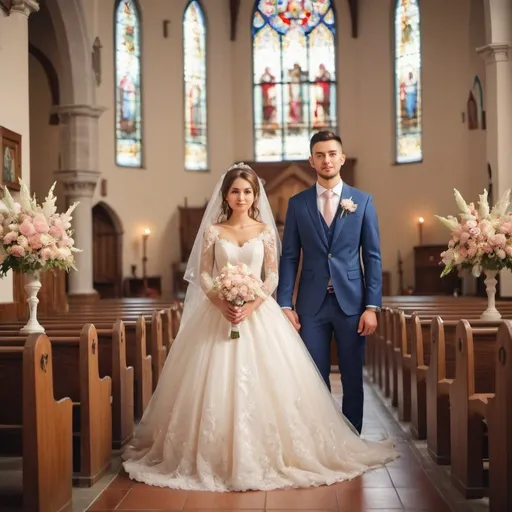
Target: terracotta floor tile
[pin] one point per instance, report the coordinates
(377, 478)
(121, 481)
(366, 498)
(226, 500)
(413, 476)
(108, 499)
(323, 498)
(151, 498)
(424, 498)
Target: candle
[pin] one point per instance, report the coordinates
(421, 220)
(145, 237)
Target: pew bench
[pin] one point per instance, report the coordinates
(28, 411)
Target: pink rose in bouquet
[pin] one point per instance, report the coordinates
(237, 285)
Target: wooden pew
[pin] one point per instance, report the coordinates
(403, 364)
(440, 376)
(112, 364)
(473, 385)
(136, 352)
(75, 360)
(499, 409)
(27, 403)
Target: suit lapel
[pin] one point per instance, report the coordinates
(312, 204)
(346, 193)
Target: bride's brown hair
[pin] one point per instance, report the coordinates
(247, 174)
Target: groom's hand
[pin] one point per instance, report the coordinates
(367, 323)
(293, 317)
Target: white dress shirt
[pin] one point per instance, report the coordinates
(336, 197)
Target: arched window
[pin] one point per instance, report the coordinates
(127, 83)
(408, 82)
(194, 59)
(294, 76)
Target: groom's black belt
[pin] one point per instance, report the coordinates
(330, 289)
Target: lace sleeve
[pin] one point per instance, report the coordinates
(270, 262)
(207, 259)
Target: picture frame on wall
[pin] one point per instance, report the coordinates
(6, 6)
(10, 152)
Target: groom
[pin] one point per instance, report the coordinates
(334, 225)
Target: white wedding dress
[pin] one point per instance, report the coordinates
(245, 414)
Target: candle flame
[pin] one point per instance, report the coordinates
(421, 220)
(147, 231)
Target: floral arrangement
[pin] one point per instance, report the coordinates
(237, 285)
(35, 237)
(481, 237)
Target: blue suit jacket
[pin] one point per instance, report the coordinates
(356, 237)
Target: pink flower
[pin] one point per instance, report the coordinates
(472, 250)
(35, 241)
(17, 251)
(56, 231)
(464, 237)
(498, 240)
(40, 223)
(10, 237)
(46, 253)
(505, 227)
(226, 283)
(27, 227)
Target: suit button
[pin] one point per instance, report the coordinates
(329, 256)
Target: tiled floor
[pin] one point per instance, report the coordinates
(403, 485)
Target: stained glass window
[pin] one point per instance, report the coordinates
(294, 66)
(194, 58)
(408, 82)
(128, 78)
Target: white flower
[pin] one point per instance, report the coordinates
(347, 205)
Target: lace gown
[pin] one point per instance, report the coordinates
(245, 414)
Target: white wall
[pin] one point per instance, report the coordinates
(14, 111)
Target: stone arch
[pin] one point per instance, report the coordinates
(107, 249)
(77, 77)
(112, 214)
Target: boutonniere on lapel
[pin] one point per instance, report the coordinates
(347, 206)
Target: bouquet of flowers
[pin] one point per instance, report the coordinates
(35, 237)
(481, 237)
(237, 285)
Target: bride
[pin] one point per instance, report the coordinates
(251, 413)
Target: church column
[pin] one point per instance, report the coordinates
(499, 106)
(24, 7)
(79, 175)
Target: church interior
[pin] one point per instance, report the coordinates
(135, 108)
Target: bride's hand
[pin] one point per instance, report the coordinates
(248, 308)
(231, 313)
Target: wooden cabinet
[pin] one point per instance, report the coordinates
(427, 272)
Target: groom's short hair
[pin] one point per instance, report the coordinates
(323, 137)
